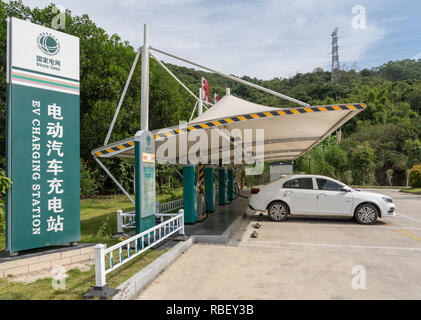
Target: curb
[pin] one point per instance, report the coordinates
(132, 286)
(226, 236)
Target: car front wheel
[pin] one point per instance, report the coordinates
(366, 214)
(278, 211)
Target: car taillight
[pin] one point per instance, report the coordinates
(255, 191)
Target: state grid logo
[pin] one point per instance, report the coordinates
(48, 44)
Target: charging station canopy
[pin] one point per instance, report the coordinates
(288, 132)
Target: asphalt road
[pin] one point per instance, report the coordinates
(305, 258)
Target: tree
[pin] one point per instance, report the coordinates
(391, 91)
(413, 150)
(337, 158)
(165, 173)
(362, 163)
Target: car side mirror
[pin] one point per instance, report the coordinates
(346, 189)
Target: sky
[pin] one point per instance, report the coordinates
(262, 38)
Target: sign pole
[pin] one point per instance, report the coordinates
(144, 154)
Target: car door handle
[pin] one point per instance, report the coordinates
(287, 192)
(322, 194)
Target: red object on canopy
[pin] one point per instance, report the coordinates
(206, 87)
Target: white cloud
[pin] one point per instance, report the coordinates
(262, 39)
(417, 56)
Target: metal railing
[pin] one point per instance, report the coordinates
(170, 206)
(128, 249)
(126, 220)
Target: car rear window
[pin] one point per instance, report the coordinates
(299, 183)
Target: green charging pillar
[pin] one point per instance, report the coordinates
(190, 193)
(230, 190)
(222, 186)
(210, 193)
(144, 181)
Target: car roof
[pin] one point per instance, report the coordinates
(296, 176)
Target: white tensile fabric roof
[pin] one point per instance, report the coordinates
(288, 133)
(230, 106)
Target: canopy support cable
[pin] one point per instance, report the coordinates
(250, 84)
(114, 180)
(120, 102)
(194, 109)
(173, 75)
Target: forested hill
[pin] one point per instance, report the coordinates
(403, 77)
(379, 145)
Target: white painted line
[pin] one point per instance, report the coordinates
(361, 227)
(309, 244)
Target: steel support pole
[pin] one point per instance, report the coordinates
(231, 185)
(144, 104)
(200, 101)
(222, 177)
(210, 189)
(190, 193)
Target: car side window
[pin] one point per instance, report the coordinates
(328, 185)
(300, 183)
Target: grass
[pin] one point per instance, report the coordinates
(411, 190)
(76, 284)
(100, 211)
(97, 223)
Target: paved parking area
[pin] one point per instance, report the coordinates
(304, 258)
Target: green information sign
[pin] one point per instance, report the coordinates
(43, 203)
(145, 180)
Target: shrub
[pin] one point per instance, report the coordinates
(415, 176)
(88, 184)
(389, 176)
(106, 229)
(346, 177)
(2, 217)
(4, 184)
(169, 191)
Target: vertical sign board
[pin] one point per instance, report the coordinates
(43, 203)
(145, 180)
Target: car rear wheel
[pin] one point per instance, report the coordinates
(366, 214)
(278, 211)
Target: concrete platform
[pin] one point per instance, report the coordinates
(221, 224)
(304, 258)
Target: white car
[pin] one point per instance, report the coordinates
(313, 195)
